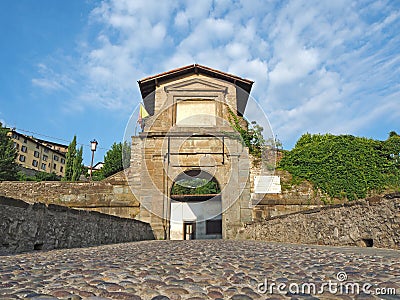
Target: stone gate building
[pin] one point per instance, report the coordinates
(188, 136)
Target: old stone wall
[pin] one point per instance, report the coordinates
(112, 195)
(371, 222)
(28, 227)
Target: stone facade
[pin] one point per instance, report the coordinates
(28, 227)
(295, 197)
(176, 140)
(189, 131)
(371, 222)
(112, 196)
(36, 155)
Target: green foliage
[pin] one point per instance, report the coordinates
(97, 175)
(126, 155)
(69, 161)
(40, 176)
(116, 159)
(8, 154)
(345, 166)
(196, 186)
(43, 176)
(391, 152)
(77, 167)
(73, 164)
(252, 137)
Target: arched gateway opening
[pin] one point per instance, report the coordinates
(196, 206)
(188, 138)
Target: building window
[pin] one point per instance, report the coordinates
(25, 140)
(24, 149)
(43, 166)
(22, 158)
(213, 226)
(55, 157)
(37, 146)
(54, 166)
(15, 136)
(36, 154)
(46, 150)
(45, 157)
(16, 145)
(61, 168)
(62, 160)
(35, 163)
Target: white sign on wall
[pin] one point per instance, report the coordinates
(267, 184)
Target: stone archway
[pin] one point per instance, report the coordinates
(196, 206)
(189, 128)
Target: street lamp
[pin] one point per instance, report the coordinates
(93, 146)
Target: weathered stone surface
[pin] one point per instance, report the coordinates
(168, 147)
(27, 227)
(220, 268)
(111, 196)
(371, 222)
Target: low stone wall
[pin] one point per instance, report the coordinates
(111, 196)
(28, 227)
(371, 222)
(295, 197)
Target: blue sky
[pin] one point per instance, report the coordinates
(71, 67)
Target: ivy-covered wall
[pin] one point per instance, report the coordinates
(345, 166)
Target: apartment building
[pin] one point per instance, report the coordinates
(55, 146)
(39, 155)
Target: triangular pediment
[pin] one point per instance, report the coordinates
(196, 84)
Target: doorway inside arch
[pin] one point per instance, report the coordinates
(196, 207)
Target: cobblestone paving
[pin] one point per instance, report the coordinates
(215, 269)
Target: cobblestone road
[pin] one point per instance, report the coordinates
(200, 270)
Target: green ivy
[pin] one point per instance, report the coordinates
(345, 166)
(251, 137)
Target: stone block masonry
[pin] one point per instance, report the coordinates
(27, 227)
(373, 222)
(110, 196)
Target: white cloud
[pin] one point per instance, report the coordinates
(50, 80)
(317, 66)
(46, 84)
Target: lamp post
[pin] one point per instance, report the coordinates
(93, 146)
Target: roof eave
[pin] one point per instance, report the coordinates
(148, 85)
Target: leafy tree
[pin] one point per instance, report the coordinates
(113, 159)
(8, 154)
(73, 164)
(69, 161)
(77, 166)
(97, 175)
